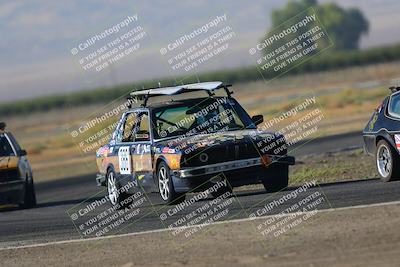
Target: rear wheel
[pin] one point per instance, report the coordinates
(166, 187)
(30, 195)
(277, 178)
(387, 162)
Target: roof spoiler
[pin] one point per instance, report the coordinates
(394, 89)
(209, 87)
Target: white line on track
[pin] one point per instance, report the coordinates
(214, 223)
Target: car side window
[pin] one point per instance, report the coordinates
(5, 147)
(394, 106)
(129, 127)
(143, 132)
(135, 128)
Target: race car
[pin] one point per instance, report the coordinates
(187, 144)
(16, 180)
(382, 136)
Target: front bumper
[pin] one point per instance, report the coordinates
(229, 166)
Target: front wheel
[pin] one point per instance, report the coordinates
(277, 178)
(29, 195)
(387, 162)
(166, 187)
(113, 190)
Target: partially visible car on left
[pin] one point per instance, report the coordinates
(16, 179)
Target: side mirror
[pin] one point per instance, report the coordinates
(22, 152)
(257, 119)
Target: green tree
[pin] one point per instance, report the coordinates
(344, 26)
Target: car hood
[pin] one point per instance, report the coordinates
(223, 138)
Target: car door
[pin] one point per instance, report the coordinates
(133, 147)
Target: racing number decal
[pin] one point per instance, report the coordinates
(124, 160)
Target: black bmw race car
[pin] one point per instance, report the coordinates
(176, 146)
(382, 137)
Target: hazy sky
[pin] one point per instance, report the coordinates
(37, 38)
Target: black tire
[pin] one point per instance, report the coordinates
(277, 178)
(166, 187)
(221, 191)
(387, 162)
(113, 189)
(29, 195)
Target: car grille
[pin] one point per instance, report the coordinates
(219, 154)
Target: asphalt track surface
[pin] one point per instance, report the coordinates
(49, 221)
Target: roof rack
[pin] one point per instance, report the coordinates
(394, 89)
(209, 87)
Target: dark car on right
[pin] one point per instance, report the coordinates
(382, 136)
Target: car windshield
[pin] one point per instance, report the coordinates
(5, 147)
(202, 116)
(394, 105)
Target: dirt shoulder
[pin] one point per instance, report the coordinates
(333, 167)
(328, 168)
(351, 237)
